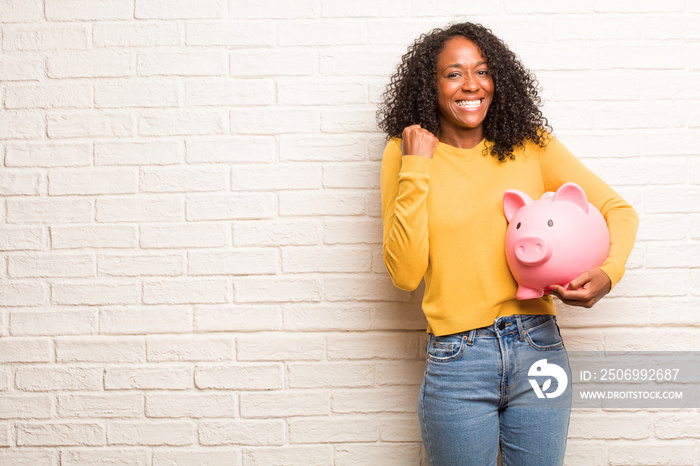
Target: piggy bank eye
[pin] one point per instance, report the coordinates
(550, 223)
(517, 227)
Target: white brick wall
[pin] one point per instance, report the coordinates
(190, 238)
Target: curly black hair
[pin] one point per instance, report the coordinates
(513, 116)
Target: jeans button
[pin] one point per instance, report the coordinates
(501, 325)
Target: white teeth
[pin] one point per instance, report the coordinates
(469, 103)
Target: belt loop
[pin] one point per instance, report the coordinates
(470, 337)
(521, 330)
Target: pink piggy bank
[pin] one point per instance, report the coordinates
(554, 239)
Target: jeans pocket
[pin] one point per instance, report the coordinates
(544, 336)
(445, 348)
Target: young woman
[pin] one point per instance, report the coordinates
(462, 116)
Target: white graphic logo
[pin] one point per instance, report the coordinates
(542, 368)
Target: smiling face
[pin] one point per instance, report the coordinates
(465, 91)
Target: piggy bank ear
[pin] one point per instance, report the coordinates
(514, 200)
(571, 192)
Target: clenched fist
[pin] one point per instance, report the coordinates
(418, 141)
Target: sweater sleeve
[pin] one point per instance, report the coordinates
(404, 187)
(560, 166)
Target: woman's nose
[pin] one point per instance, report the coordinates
(470, 84)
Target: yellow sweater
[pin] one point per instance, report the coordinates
(443, 221)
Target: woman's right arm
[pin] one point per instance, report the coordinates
(404, 186)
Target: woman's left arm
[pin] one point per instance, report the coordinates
(560, 166)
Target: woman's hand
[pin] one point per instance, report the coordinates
(584, 290)
(418, 141)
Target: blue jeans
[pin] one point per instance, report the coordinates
(504, 386)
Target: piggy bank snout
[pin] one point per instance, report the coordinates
(532, 249)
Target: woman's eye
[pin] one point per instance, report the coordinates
(453, 75)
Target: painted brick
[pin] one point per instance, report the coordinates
(280, 347)
(378, 453)
(271, 62)
(89, 125)
(13, 183)
(651, 453)
(230, 206)
(283, 403)
(243, 432)
(36, 378)
(275, 120)
(128, 405)
(331, 375)
(326, 32)
(163, 457)
(48, 155)
(162, 377)
(257, 289)
(132, 265)
(60, 434)
(153, 208)
(151, 320)
(95, 293)
(186, 123)
(336, 148)
(178, 180)
(188, 235)
(232, 150)
(130, 34)
(401, 427)
(304, 91)
(93, 236)
(276, 232)
(48, 96)
(51, 265)
(24, 38)
(312, 203)
(153, 433)
(239, 262)
(239, 318)
(179, 9)
(186, 63)
(136, 153)
(96, 455)
(23, 294)
(21, 67)
(118, 94)
(67, 210)
(165, 405)
(190, 348)
(231, 92)
(29, 457)
(101, 349)
(71, 10)
(184, 292)
(325, 259)
(275, 177)
(19, 11)
(273, 9)
(231, 33)
(26, 350)
(91, 64)
(93, 181)
(336, 429)
(293, 455)
(239, 376)
(361, 400)
(20, 125)
(69, 322)
(25, 406)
